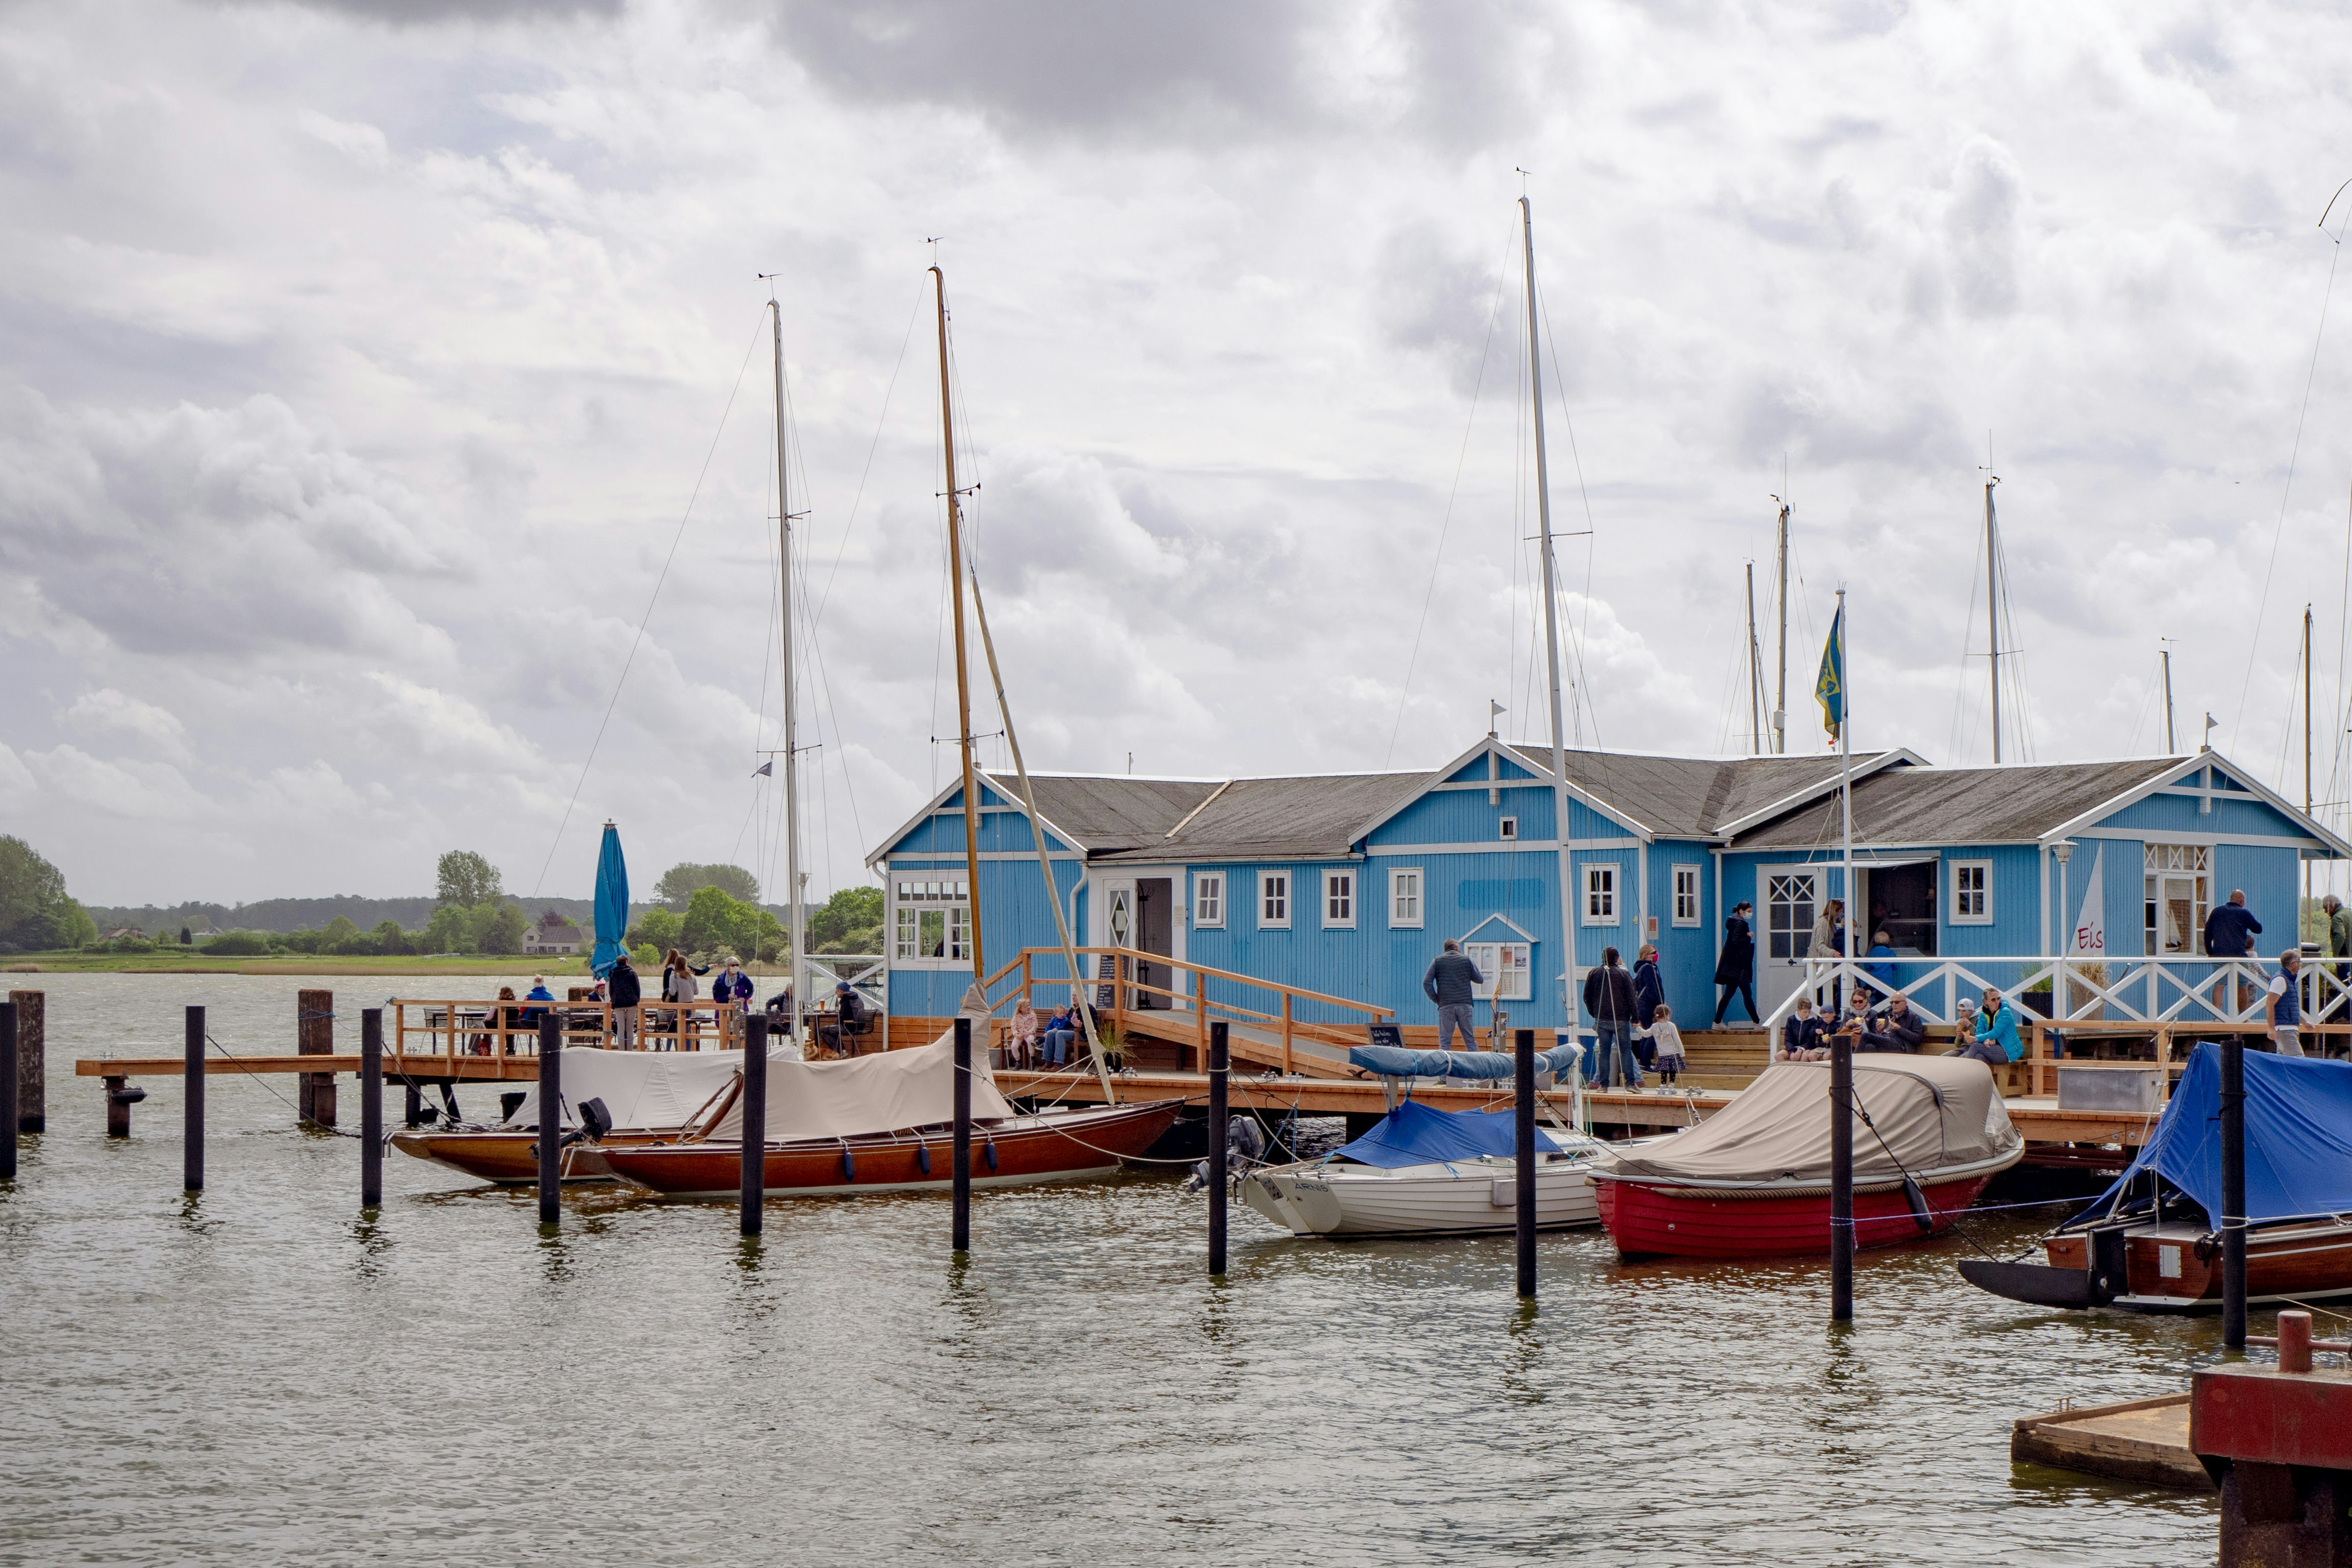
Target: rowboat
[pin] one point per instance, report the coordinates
(1754, 1180)
(2149, 1244)
(1429, 1172)
(643, 1097)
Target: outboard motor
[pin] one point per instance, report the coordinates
(595, 1120)
(1243, 1147)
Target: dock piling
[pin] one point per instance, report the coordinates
(119, 1098)
(1220, 1068)
(960, 1226)
(8, 1123)
(551, 1120)
(1842, 1178)
(413, 1111)
(2233, 1193)
(314, 1036)
(192, 1115)
(755, 1123)
(1523, 1068)
(31, 1034)
(372, 1107)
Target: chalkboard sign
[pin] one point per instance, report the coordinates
(1388, 1035)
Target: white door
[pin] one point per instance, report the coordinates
(1787, 900)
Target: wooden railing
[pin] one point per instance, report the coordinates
(1284, 1020)
(501, 1028)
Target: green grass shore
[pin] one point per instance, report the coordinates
(189, 960)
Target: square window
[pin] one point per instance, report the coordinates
(1601, 895)
(1686, 895)
(1273, 898)
(1338, 897)
(1405, 897)
(1506, 965)
(1510, 827)
(1209, 899)
(1972, 892)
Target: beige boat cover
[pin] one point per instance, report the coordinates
(882, 1093)
(640, 1089)
(1932, 1112)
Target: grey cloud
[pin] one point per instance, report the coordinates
(1980, 226)
(401, 12)
(1431, 296)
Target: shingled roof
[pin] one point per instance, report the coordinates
(1961, 806)
(1695, 796)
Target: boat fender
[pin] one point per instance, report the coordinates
(848, 1165)
(992, 1153)
(923, 1157)
(1918, 1202)
(2208, 1248)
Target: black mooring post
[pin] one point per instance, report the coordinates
(1523, 1068)
(755, 1122)
(413, 1108)
(1220, 1068)
(2233, 1193)
(962, 1225)
(371, 1107)
(1842, 1178)
(192, 1121)
(8, 1091)
(551, 1120)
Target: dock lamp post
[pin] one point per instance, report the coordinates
(2059, 995)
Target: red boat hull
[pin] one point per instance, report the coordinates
(1026, 1149)
(1655, 1221)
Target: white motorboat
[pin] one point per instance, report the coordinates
(1430, 1172)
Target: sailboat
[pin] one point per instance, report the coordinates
(874, 1123)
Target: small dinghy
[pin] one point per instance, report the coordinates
(2149, 1244)
(1430, 1172)
(1753, 1180)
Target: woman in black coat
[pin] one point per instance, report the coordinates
(1734, 966)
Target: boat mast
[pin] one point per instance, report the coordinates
(1780, 702)
(2172, 746)
(963, 682)
(791, 753)
(1755, 673)
(1993, 605)
(1845, 788)
(2306, 755)
(1551, 618)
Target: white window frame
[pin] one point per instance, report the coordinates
(1960, 893)
(1270, 897)
(1690, 887)
(1600, 906)
(1408, 897)
(1339, 894)
(1509, 967)
(915, 893)
(1209, 899)
(1511, 827)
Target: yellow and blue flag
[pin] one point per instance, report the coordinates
(1829, 689)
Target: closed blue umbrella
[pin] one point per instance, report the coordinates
(612, 902)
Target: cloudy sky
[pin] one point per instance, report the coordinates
(367, 370)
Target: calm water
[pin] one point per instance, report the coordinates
(262, 1375)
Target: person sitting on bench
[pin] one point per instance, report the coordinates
(1895, 1027)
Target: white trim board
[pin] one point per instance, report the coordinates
(2169, 835)
(1502, 847)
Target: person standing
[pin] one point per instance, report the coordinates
(733, 992)
(1649, 1001)
(2339, 947)
(1608, 1006)
(2230, 933)
(1452, 982)
(1734, 966)
(1829, 941)
(622, 982)
(2285, 1023)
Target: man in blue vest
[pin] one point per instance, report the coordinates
(2285, 1020)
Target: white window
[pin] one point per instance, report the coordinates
(1510, 827)
(1405, 896)
(1273, 898)
(1506, 965)
(1338, 897)
(1209, 899)
(2180, 883)
(1686, 902)
(1601, 895)
(1972, 892)
(933, 919)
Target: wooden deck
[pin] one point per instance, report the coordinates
(2144, 1440)
(432, 1068)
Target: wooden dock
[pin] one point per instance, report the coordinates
(432, 1069)
(2143, 1440)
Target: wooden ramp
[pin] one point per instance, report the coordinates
(2144, 1440)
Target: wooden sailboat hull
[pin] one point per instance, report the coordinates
(1656, 1220)
(511, 1159)
(2177, 1268)
(1013, 1153)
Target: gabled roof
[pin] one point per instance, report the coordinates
(1699, 797)
(1276, 818)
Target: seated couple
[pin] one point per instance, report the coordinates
(1897, 1027)
(1063, 1035)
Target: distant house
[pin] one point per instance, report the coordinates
(552, 937)
(126, 934)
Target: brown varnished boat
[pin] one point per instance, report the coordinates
(510, 1157)
(2173, 1264)
(1005, 1152)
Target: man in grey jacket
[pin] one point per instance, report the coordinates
(1452, 982)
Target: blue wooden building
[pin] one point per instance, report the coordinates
(1348, 884)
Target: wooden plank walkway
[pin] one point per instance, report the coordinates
(2144, 1440)
(521, 1069)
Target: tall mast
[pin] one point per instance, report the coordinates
(1845, 777)
(1755, 672)
(1551, 614)
(1780, 700)
(791, 753)
(1992, 607)
(964, 682)
(2307, 754)
(2172, 746)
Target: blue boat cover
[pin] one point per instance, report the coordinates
(2298, 1137)
(1414, 1134)
(1393, 1061)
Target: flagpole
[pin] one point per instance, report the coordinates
(1845, 778)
